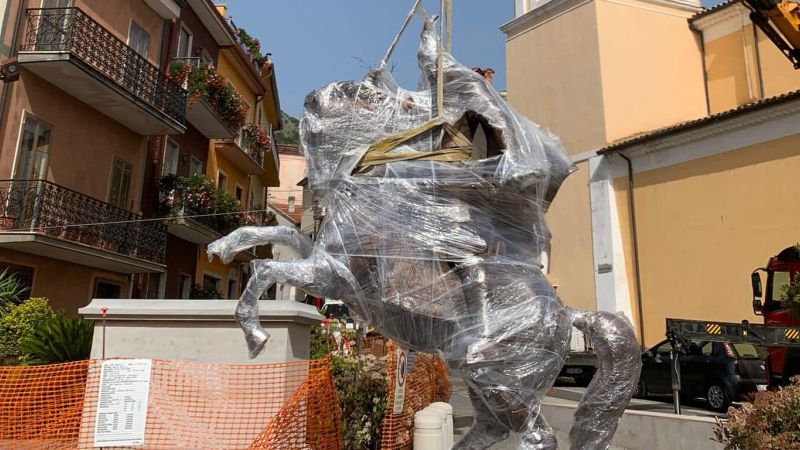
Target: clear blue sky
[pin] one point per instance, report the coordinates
(316, 42)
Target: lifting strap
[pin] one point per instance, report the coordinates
(378, 153)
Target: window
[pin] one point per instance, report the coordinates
(750, 351)
(171, 153)
(23, 275)
(663, 350)
(195, 166)
(120, 184)
(210, 282)
(186, 285)
(291, 205)
(206, 58)
(232, 289)
(707, 349)
(222, 181)
(239, 194)
(232, 277)
(33, 146)
(779, 280)
(138, 39)
(105, 289)
(56, 3)
(185, 43)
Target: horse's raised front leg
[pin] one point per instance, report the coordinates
(319, 275)
(246, 237)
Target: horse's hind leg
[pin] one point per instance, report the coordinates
(486, 430)
(519, 339)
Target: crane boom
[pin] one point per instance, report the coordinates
(780, 22)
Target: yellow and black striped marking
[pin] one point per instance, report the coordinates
(712, 328)
(792, 334)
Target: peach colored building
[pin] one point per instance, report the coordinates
(75, 129)
(287, 200)
(93, 118)
(683, 124)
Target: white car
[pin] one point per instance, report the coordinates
(336, 309)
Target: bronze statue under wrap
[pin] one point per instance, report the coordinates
(434, 235)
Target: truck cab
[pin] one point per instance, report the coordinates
(783, 363)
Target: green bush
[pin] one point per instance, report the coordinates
(361, 390)
(771, 422)
(322, 342)
(20, 323)
(360, 384)
(60, 340)
(199, 293)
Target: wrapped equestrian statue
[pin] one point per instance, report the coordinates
(434, 235)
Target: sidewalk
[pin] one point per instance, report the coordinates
(463, 414)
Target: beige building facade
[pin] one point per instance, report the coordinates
(692, 108)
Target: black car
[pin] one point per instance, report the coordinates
(719, 372)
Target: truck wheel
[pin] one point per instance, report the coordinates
(641, 389)
(790, 370)
(717, 398)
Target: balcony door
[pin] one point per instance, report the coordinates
(137, 65)
(53, 31)
(34, 143)
(22, 201)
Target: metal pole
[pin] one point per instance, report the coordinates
(675, 373)
(104, 311)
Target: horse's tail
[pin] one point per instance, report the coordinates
(614, 383)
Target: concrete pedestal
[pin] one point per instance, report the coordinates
(197, 330)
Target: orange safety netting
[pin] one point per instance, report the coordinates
(191, 405)
(427, 383)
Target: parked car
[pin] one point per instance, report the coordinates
(336, 309)
(720, 372)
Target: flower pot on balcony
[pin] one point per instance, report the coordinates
(6, 223)
(109, 246)
(87, 239)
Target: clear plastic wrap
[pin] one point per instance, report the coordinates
(434, 235)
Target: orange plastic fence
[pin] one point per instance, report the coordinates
(270, 406)
(427, 383)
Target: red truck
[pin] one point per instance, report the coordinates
(783, 362)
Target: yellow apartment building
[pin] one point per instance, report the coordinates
(235, 167)
(684, 124)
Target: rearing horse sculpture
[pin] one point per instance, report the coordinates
(434, 234)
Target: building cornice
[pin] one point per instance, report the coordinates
(539, 15)
(733, 121)
(733, 10)
(555, 8)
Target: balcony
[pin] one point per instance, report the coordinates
(272, 164)
(247, 151)
(199, 212)
(43, 218)
(215, 108)
(71, 50)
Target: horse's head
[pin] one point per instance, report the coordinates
(343, 121)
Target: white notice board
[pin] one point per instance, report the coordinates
(122, 402)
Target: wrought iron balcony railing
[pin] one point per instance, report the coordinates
(250, 145)
(72, 31)
(46, 208)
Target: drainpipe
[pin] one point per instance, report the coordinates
(635, 239)
(13, 53)
(758, 61)
(700, 37)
